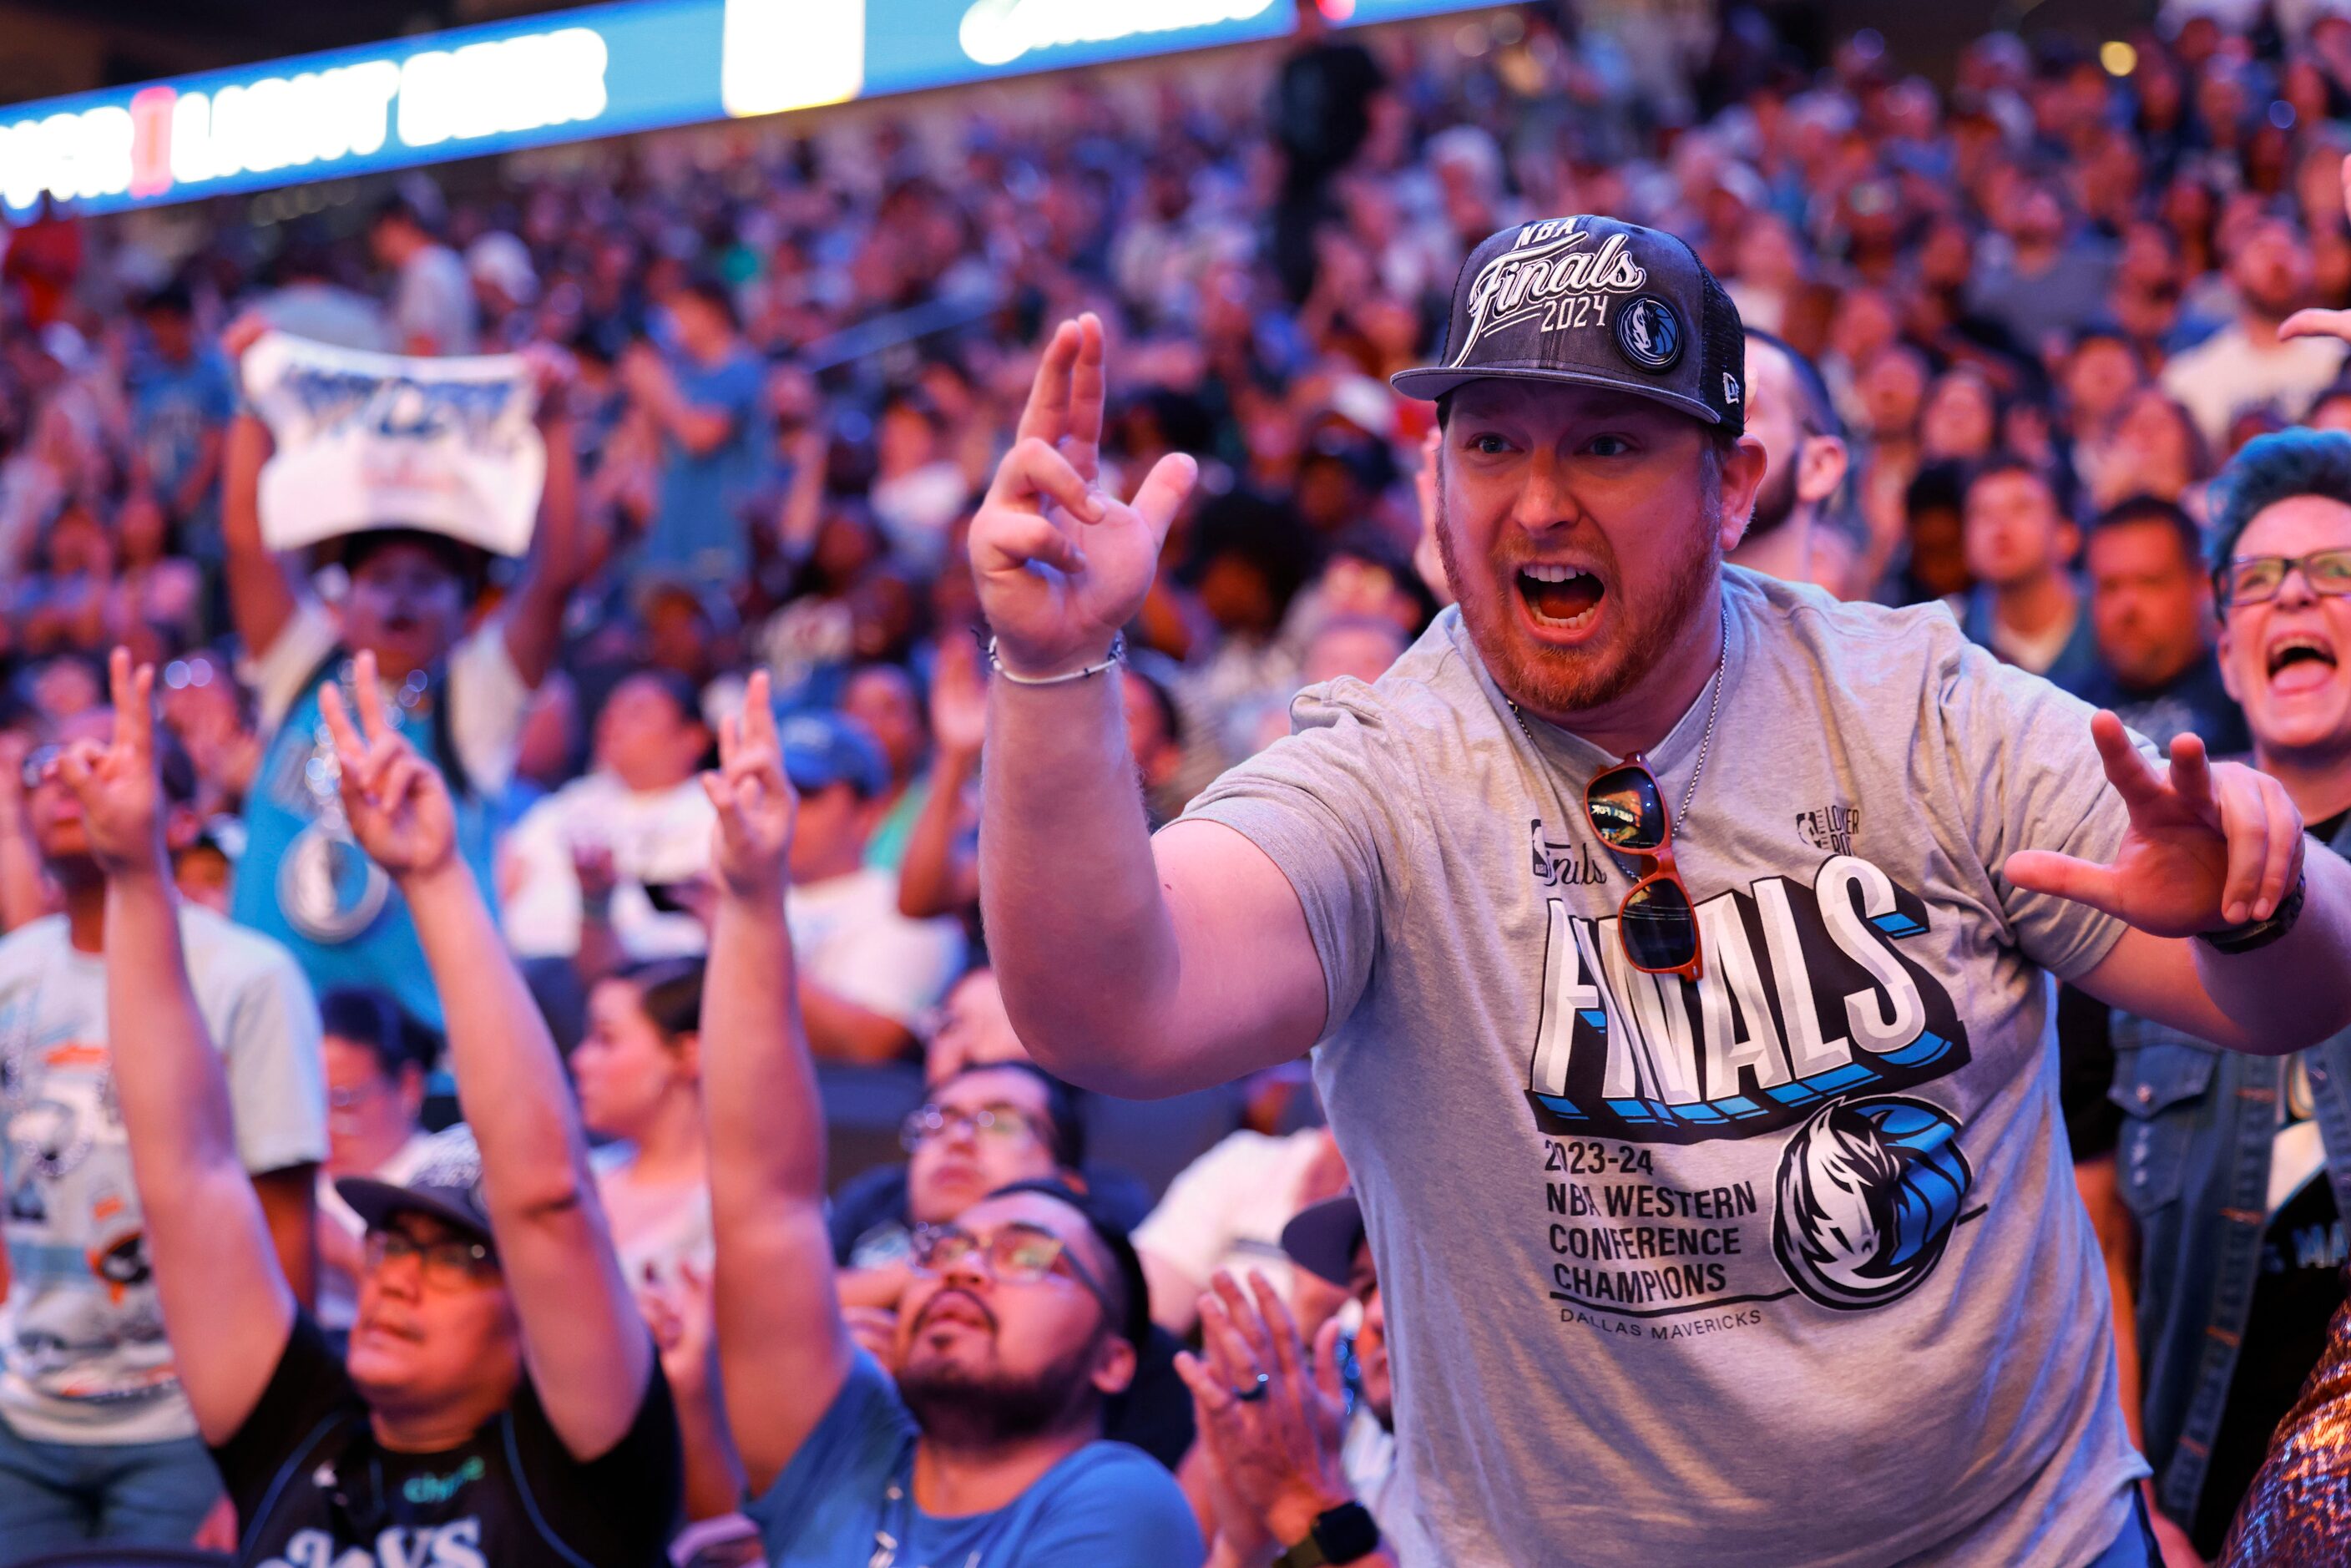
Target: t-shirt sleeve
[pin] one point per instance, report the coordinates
(2030, 777)
(308, 1387)
(836, 1480)
(276, 1074)
(631, 1497)
(487, 696)
(1124, 1510)
(1329, 804)
(276, 673)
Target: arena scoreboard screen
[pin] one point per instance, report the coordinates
(568, 75)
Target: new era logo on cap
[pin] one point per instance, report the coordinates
(1594, 302)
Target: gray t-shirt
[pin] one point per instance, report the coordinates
(1786, 1265)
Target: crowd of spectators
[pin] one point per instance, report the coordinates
(2019, 321)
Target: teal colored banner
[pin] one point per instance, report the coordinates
(570, 75)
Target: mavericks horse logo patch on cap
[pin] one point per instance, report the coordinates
(1649, 333)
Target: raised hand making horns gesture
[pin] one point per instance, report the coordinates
(1060, 564)
(2213, 844)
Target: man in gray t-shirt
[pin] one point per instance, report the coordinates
(1701, 1110)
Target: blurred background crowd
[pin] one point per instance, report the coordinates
(2029, 308)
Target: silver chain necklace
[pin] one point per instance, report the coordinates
(1706, 737)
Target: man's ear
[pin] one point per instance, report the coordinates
(1820, 464)
(1742, 476)
(1114, 1366)
(410, 1089)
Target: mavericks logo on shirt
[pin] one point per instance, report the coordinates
(1811, 1019)
(456, 1544)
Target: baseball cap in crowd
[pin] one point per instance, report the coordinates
(500, 260)
(1594, 302)
(822, 749)
(1322, 1237)
(446, 1184)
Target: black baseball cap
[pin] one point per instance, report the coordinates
(1321, 1238)
(445, 1184)
(1594, 302)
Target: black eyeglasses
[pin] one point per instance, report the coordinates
(1656, 922)
(450, 1264)
(1015, 1254)
(998, 1122)
(2258, 579)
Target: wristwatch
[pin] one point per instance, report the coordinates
(2254, 934)
(1342, 1535)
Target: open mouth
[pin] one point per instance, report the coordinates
(1561, 596)
(955, 1307)
(2301, 662)
(381, 1329)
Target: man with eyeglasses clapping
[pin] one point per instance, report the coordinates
(1021, 1319)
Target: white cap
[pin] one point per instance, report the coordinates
(501, 259)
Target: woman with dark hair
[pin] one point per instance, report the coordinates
(377, 1058)
(638, 1071)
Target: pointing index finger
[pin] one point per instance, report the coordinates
(368, 689)
(2191, 771)
(1089, 385)
(134, 718)
(1046, 416)
(2134, 779)
(337, 716)
(758, 714)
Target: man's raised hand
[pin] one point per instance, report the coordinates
(2214, 844)
(115, 784)
(1060, 565)
(752, 840)
(396, 803)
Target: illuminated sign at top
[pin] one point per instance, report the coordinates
(604, 70)
(998, 32)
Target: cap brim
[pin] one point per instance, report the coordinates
(1433, 381)
(1322, 1239)
(376, 1202)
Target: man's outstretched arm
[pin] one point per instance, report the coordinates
(1128, 966)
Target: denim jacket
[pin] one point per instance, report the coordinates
(2194, 1167)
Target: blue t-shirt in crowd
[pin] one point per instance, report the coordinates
(172, 407)
(2194, 702)
(699, 528)
(1105, 1506)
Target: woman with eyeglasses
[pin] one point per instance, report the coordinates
(500, 1402)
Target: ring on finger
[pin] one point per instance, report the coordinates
(1254, 1391)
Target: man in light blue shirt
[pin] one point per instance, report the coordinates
(980, 1444)
(707, 400)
